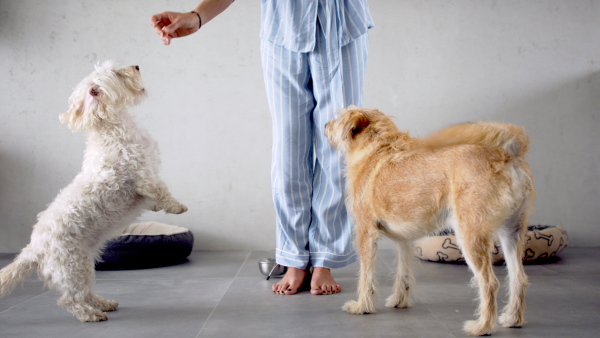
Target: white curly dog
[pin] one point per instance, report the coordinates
(117, 181)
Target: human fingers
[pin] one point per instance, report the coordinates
(158, 21)
(155, 20)
(174, 28)
(182, 24)
(166, 39)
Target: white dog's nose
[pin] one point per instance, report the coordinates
(137, 68)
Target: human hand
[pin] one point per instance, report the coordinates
(170, 25)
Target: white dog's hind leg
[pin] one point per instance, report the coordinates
(74, 277)
(102, 303)
(405, 281)
(83, 311)
(366, 240)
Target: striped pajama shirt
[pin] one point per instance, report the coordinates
(314, 56)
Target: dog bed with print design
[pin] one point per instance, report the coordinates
(541, 242)
(147, 245)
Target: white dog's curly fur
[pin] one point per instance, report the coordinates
(117, 181)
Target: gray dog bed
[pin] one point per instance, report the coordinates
(147, 245)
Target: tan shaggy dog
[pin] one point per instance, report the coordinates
(471, 178)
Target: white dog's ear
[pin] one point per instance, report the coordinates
(93, 102)
(357, 122)
(94, 91)
(83, 113)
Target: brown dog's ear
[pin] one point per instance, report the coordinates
(357, 123)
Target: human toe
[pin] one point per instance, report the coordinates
(316, 291)
(290, 291)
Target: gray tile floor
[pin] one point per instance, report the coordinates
(222, 294)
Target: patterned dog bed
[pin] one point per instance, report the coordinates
(147, 245)
(542, 242)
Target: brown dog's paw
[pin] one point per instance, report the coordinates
(399, 301)
(477, 328)
(510, 320)
(357, 308)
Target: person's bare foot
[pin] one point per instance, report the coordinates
(291, 282)
(322, 282)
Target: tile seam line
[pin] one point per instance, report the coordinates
(25, 301)
(436, 316)
(229, 287)
(568, 277)
(415, 262)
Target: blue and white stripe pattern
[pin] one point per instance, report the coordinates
(293, 23)
(314, 58)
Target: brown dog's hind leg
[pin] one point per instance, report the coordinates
(477, 249)
(405, 281)
(512, 239)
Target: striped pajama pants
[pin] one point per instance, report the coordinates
(304, 91)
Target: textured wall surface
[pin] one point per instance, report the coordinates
(432, 63)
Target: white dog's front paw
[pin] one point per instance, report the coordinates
(357, 308)
(175, 208)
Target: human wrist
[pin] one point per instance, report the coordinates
(199, 18)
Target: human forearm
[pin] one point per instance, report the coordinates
(209, 9)
(170, 25)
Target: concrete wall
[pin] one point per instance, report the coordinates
(432, 63)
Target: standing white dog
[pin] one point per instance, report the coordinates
(117, 181)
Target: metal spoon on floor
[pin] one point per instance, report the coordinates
(270, 268)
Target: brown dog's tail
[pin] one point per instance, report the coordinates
(506, 138)
(13, 274)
